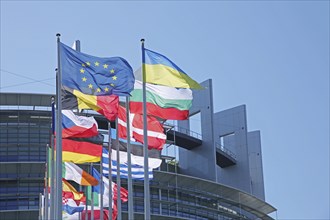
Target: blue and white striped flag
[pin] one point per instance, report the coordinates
(137, 165)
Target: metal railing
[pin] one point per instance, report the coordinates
(225, 150)
(184, 131)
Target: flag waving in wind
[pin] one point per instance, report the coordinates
(96, 190)
(95, 75)
(106, 105)
(73, 172)
(162, 71)
(77, 126)
(156, 136)
(162, 101)
(137, 164)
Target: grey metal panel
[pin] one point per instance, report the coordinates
(28, 214)
(233, 121)
(25, 99)
(255, 161)
(200, 161)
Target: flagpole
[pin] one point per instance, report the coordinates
(110, 172)
(119, 216)
(129, 162)
(47, 183)
(92, 197)
(145, 140)
(40, 217)
(58, 179)
(52, 163)
(86, 205)
(101, 191)
(77, 48)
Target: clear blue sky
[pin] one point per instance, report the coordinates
(272, 56)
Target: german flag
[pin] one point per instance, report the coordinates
(80, 151)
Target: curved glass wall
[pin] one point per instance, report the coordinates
(23, 139)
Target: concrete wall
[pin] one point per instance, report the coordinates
(200, 162)
(256, 169)
(231, 126)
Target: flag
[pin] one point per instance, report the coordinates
(136, 147)
(123, 191)
(95, 75)
(71, 171)
(97, 214)
(96, 190)
(162, 101)
(137, 165)
(106, 105)
(80, 151)
(71, 207)
(70, 192)
(156, 136)
(162, 71)
(98, 139)
(77, 126)
(74, 216)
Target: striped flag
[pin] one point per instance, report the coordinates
(71, 207)
(162, 101)
(96, 190)
(71, 171)
(80, 151)
(77, 126)
(106, 105)
(156, 136)
(162, 71)
(136, 147)
(137, 165)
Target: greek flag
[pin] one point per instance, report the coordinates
(137, 165)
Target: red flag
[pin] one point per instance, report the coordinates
(156, 136)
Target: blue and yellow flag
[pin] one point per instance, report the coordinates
(94, 75)
(162, 71)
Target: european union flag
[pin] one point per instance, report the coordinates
(94, 75)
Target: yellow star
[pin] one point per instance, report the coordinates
(82, 70)
(83, 64)
(88, 63)
(98, 90)
(97, 63)
(90, 86)
(113, 85)
(114, 77)
(84, 79)
(106, 89)
(105, 66)
(112, 71)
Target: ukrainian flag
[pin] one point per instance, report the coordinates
(162, 71)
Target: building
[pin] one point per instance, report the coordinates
(213, 175)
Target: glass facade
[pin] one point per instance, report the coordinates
(176, 202)
(23, 139)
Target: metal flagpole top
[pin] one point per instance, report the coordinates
(142, 40)
(58, 35)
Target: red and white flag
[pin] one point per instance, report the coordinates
(156, 136)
